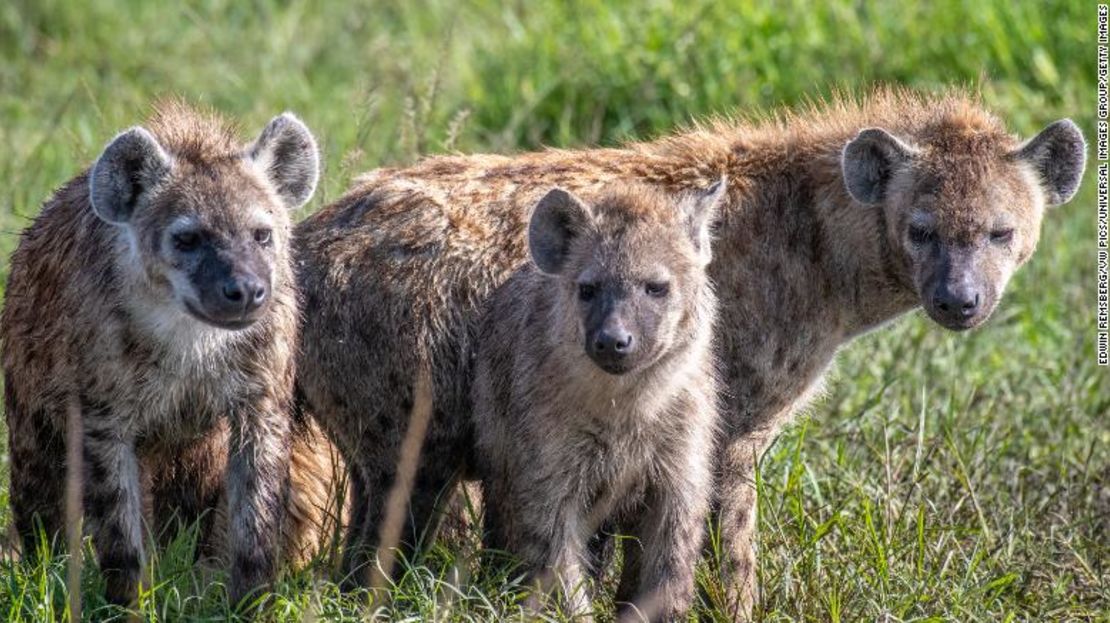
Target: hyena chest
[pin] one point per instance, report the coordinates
(181, 403)
(170, 394)
(614, 457)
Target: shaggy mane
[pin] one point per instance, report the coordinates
(816, 123)
(191, 133)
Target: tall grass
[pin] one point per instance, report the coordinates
(943, 477)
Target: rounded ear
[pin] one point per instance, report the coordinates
(131, 164)
(869, 161)
(1059, 155)
(556, 220)
(286, 154)
(700, 210)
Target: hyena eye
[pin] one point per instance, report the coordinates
(263, 236)
(920, 235)
(186, 241)
(1002, 236)
(586, 291)
(657, 289)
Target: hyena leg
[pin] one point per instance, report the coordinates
(603, 547)
(632, 547)
(416, 516)
(433, 488)
(549, 537)
(564, 567)
(258, 489)
(113, 504)
(37, 452)
(186, 487)
(670, 534)
(458, 524)
(375, 477)
(736, 519)
(356, 555)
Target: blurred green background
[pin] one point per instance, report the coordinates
(943, 477)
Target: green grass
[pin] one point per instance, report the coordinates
(943, 477)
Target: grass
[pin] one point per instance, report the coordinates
(943, 477)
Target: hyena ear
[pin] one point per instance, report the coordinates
(556, 220)
(1058, 154)
(701, 209)
(869, 161)
(131, 164)
(286, 154)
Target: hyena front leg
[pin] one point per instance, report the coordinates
(736, 519)
(258, 485)
(670, 534)
(354, 568)
(37, 450)
(563, 571)
(434, 486)
(458, 525)
(113, 502)
(551, 542)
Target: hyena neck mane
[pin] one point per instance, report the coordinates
(200, 138)
(789, 214)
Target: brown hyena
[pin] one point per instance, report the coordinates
(838, 218)
(594, 388)
(155, 291)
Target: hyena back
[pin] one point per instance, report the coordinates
(838, 219)
(595, 392)
(155, 291)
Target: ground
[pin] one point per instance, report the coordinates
(943, 476)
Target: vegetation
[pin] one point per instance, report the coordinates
(943, 477)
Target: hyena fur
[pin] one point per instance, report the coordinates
(155, 291)
(595, 391)
(838, 218)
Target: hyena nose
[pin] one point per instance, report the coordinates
(960, 300)
(613, 342)
(246, 293)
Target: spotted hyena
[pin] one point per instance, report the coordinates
(155, 292)
(837, 219)
(595, 390)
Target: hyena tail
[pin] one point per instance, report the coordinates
(318, 502)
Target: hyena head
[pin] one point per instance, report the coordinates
(963, 206)
(207, 219)
(627, 272)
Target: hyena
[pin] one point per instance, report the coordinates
(594, 389)
(838, 218)
(155, 291)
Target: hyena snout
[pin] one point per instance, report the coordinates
(959, 306)
(959, 284)
(612, 346)
(959, 300)
(232, 296)
(244, 294)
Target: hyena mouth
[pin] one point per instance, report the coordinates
(957, 323)
(615, 367)
(230, 324)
